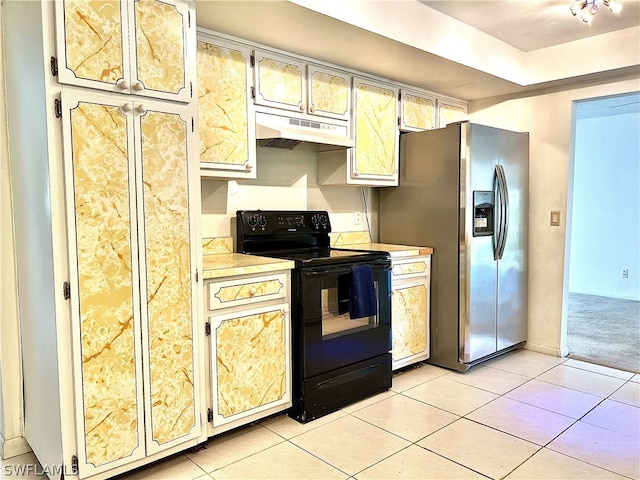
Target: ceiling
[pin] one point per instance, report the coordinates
(534, 24)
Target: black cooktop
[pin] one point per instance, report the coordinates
(308, 257)
(302, 236)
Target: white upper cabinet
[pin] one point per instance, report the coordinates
(450, 111)
(142, 47)
(291, 84)
(225, 111)
(329, 92)
(417, 111)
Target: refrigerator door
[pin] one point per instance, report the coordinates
(512, 266)
(424, 210)
(478, 269)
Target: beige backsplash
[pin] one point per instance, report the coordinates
(217, 245)
(347, 238)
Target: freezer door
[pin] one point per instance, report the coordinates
(512, 266)
(478, 268)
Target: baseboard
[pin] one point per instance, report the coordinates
(606, 295)
(13, 447)
(555, 352)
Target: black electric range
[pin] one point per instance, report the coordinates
(340, 347)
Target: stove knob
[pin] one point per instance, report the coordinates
(262, 222)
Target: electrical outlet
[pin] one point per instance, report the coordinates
(357, 218)
(625, 273)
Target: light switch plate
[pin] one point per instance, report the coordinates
(555, 218)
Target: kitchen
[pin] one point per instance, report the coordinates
(289, 179)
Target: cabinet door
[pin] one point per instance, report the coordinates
(167, 272)
(250, 362)
(450, 112)
(140, 47)
(417, 111)
(329, 92)
(410, 313)
(279, 82)
(93, 43)
(105, 300)
(163, 49)
(410, 280)
(132, 276)
(225, 125)
(376, 131)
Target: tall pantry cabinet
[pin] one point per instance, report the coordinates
(105, 176)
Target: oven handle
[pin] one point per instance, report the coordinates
(378, 265)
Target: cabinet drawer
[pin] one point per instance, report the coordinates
(416, 266)
(244, 291)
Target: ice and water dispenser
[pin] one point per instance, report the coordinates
(483, 208)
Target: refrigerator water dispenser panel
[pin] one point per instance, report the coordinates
(483, 207)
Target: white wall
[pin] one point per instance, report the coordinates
(547, 116)
(286, 181)
(11, 441)
(605, 227)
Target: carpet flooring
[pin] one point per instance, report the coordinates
(604, 330)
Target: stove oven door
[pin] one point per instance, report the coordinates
(327, 338)
(337, 360)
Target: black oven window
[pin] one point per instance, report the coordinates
(335, 309)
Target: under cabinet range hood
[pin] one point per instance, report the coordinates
(282, 131)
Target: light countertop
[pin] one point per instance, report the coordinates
(220, 265)
(394, 251)
(229, 264)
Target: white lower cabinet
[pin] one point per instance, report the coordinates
(410, 285)
(248, 322)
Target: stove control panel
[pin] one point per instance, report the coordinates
(320, 221)
(257, 221)
(278, 222)
(290, 221)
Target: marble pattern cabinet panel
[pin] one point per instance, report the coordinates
(133, 268)
(251, 363)
(250, 348)
(376, 132)
(410, 284)
(279, 81)
(417, 111)
(107, 299)
(226, 125)
(329, 92)
(450, 112)
(141, 47)
(231, 293)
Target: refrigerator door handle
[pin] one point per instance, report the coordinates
(504, 210)
(497, 230)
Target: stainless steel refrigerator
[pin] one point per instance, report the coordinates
(463, 190)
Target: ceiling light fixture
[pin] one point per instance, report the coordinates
(585, 10)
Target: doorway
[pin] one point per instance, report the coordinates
(602, 311)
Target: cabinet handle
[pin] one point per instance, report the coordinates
(285, 310)
(356, 173)
(301, 106)
(141, 109)
(127, 107)
(252, 291)
(138, 86)
(312, 108)
(122, 84)
(248, 167)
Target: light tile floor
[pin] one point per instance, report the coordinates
(524, 415)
